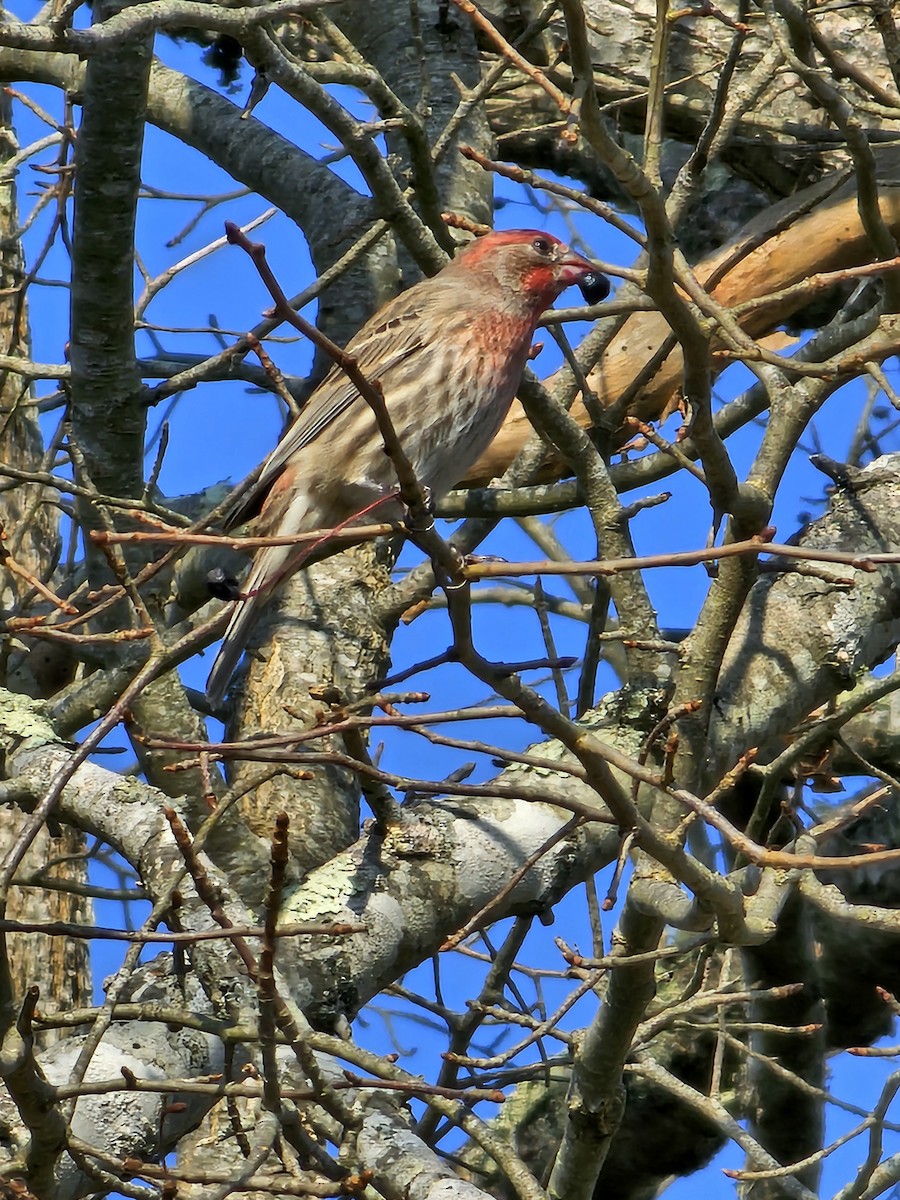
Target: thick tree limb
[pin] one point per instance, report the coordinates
(817, 230)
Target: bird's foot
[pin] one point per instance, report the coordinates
(420, 519)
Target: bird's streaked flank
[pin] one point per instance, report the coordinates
(449, 355)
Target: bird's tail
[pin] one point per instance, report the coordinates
(269, 568)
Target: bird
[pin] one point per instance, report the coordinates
(449, 354)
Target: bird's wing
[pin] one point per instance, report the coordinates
(379, 347)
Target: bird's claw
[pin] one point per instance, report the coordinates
(421, 518)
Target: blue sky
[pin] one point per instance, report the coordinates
(222, 431)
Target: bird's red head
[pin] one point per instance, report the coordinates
(537, 263)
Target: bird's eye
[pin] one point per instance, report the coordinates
(542, 245)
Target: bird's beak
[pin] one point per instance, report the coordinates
(574, 268)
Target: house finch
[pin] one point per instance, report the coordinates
(449, 354)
